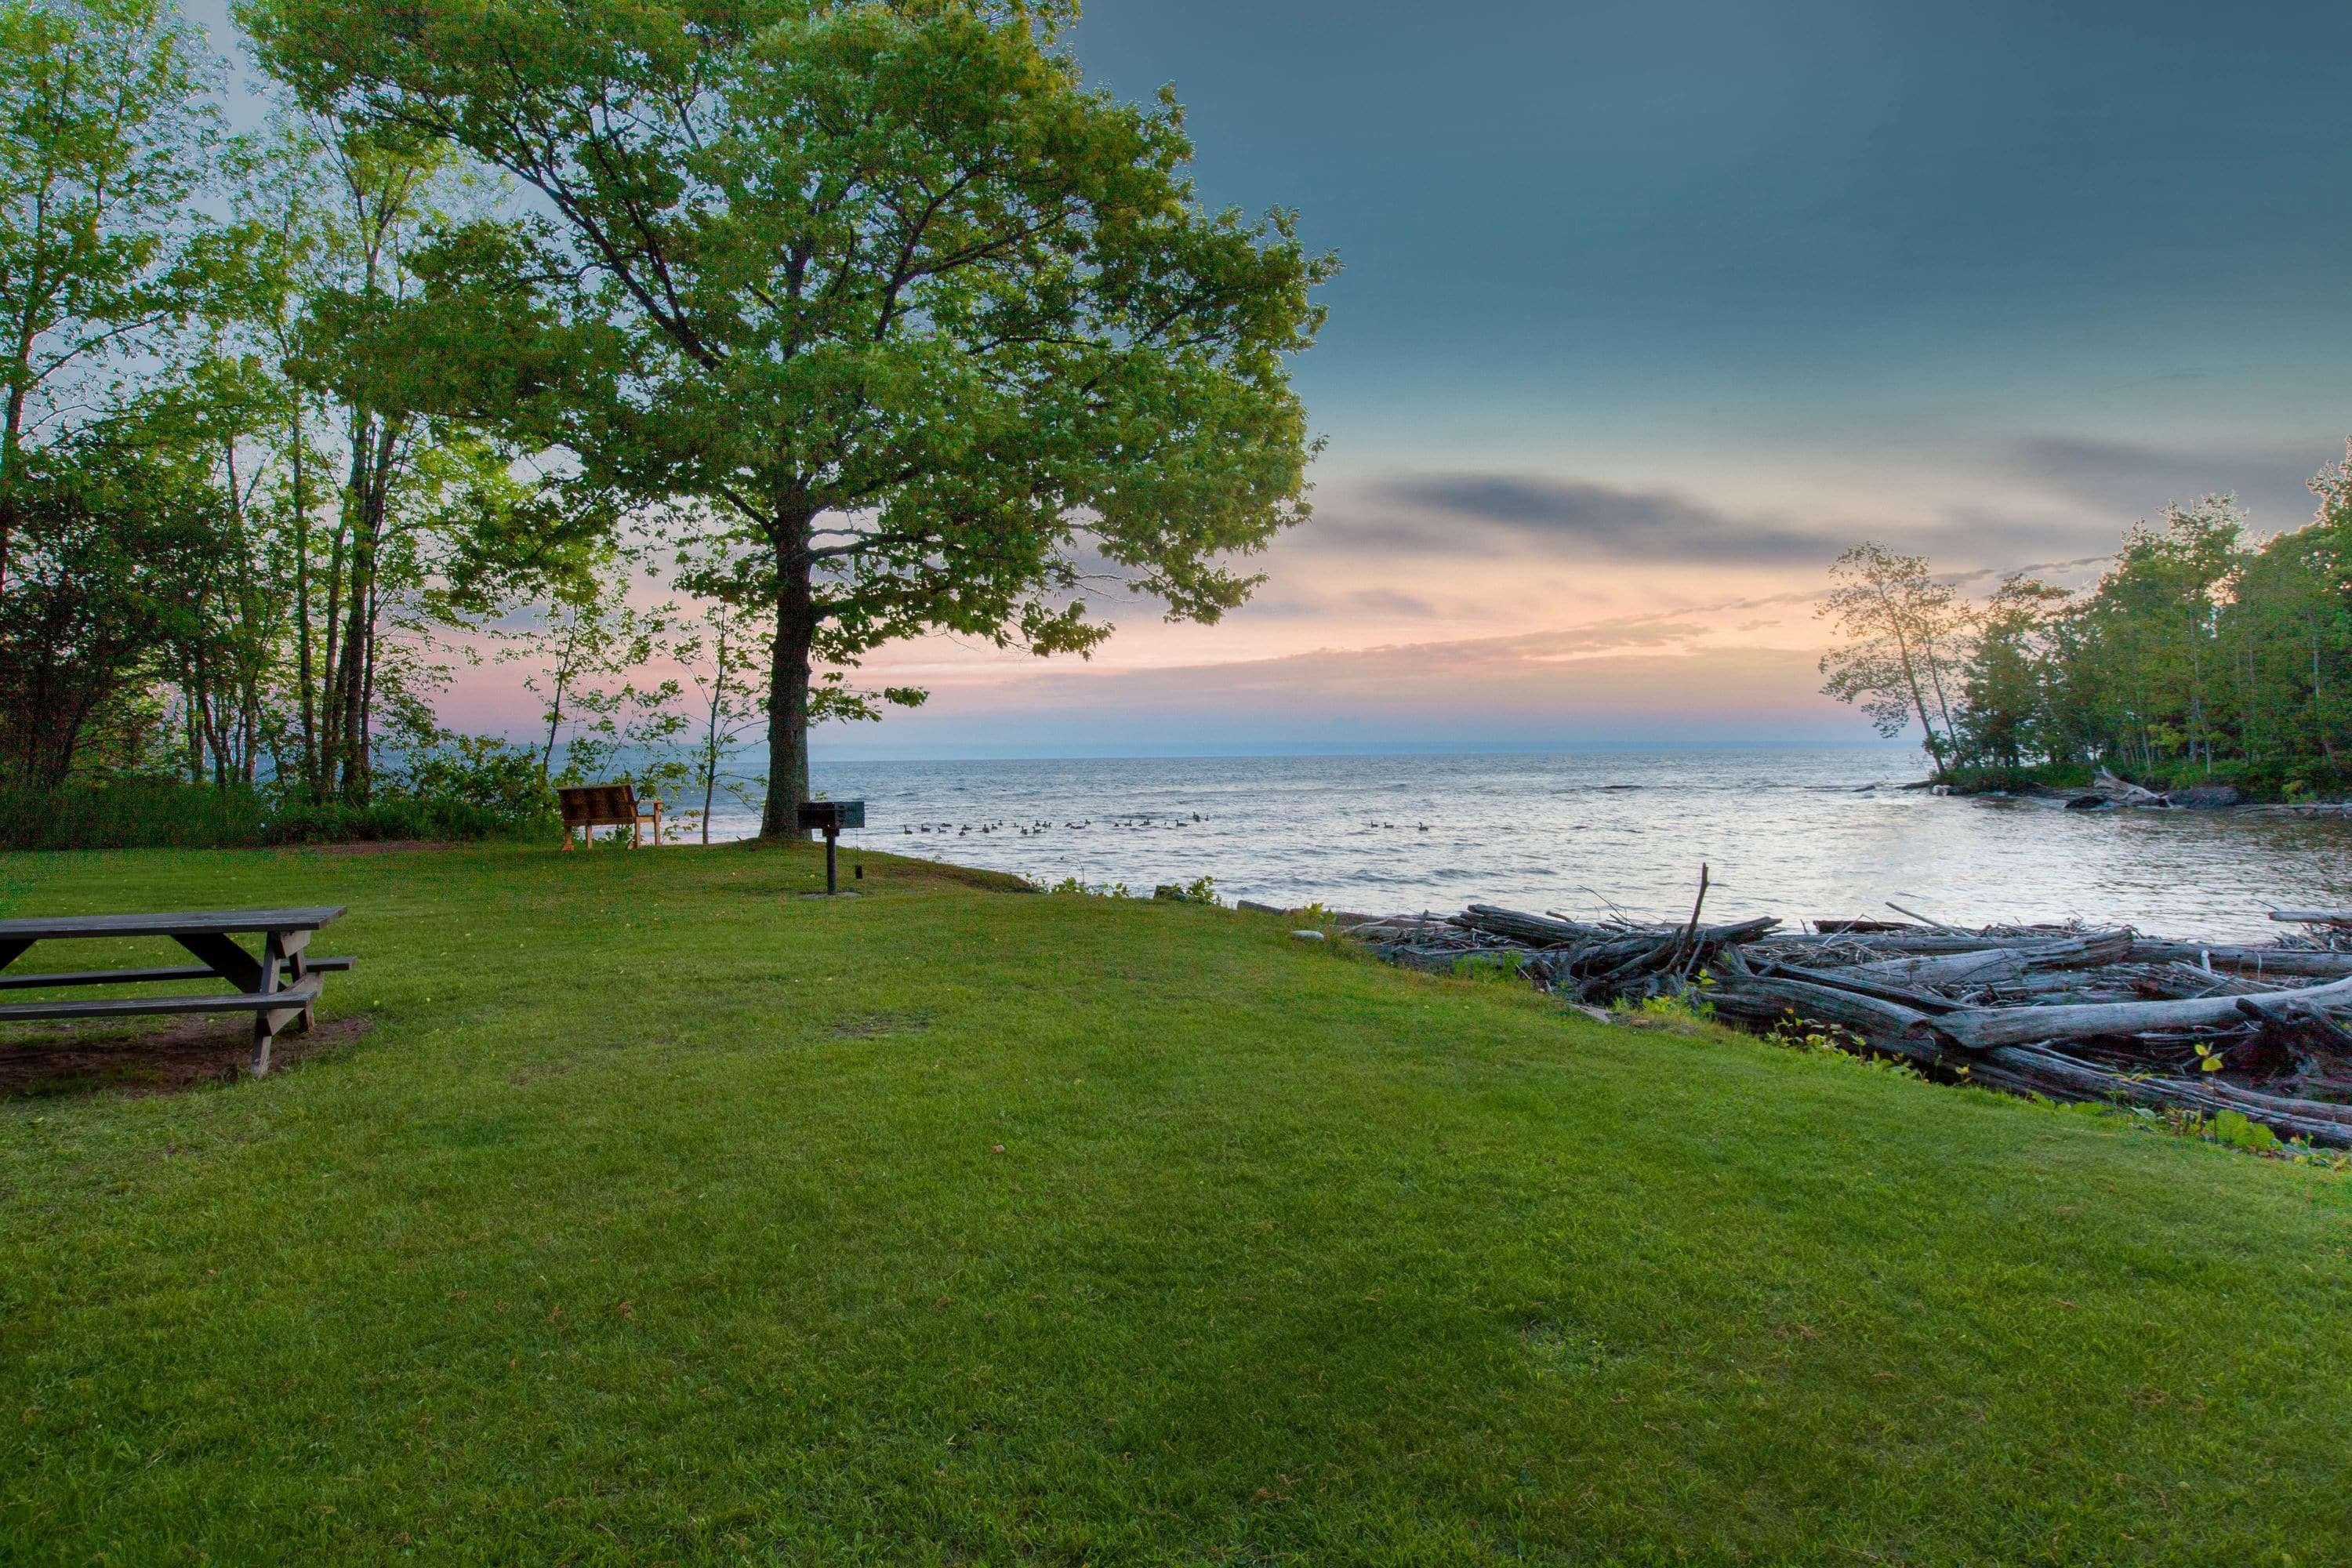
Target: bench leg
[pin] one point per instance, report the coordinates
(265, 1023)
(297, 968)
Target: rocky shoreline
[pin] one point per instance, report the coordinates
(2105, 792)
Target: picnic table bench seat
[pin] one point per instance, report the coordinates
(297, 997)
(278, 987)
(38, 981)
(590, 807)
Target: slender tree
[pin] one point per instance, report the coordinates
(1900, 626)
(106, 136)
(719, 655)
(931, 328)
(588, 635)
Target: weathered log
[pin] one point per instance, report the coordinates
(1889, 1025)
(1642, 963)
(1913, 942)
(2314, 917)
(1980, 1028)
(1549, 931)
(2262, 960)
(1907, 1033)
(2047, 1010)
(2064, 1077)
(1862, 984)
(1991, 964)
(1538, 931)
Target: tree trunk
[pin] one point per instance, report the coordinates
(788, 681)
(304, 673)
(710, 735)
(11, 454)
(2318, 706)
(349, 681)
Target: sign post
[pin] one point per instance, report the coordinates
(829, 817)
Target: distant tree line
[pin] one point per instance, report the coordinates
(2204, 651)
(855, 322)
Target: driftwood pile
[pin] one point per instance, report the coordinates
(2054, 1010)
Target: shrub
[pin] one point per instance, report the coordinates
(467, 788)
(127, 814)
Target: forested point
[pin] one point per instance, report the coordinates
(2207, 652)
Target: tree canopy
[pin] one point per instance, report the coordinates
(106, 136)
(925, 333)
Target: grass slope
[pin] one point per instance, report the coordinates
(665, 1216)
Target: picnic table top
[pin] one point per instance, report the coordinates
(193, 922)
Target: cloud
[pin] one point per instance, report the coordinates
(1435, 512)
(1484, 513)
(2127, 480)
(2031, 569)
(2056, 501)
(1385, 603)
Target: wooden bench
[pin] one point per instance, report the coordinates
(590, 807)
(280, 988)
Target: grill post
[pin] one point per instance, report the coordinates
(829, 817)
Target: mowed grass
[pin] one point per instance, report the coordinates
(664, 1215)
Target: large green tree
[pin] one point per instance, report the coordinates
(930, 330)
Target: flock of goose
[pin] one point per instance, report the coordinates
(1035, 829)
(1127, 824)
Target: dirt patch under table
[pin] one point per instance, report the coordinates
(165, 1057)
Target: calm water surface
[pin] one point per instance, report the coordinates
(1787, 832)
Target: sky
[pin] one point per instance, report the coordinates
(1648, 309)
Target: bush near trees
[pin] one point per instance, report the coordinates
(2203, 654)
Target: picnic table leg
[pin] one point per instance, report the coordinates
(237, 966)
(265, 1023)
(292, 946)
(12, 950)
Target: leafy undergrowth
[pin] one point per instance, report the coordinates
(665, 1213)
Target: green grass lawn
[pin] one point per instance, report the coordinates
(665, 1216)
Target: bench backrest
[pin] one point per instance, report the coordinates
(598, 805)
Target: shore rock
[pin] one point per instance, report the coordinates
(2207, 798)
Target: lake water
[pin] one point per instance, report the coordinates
(1789, 833)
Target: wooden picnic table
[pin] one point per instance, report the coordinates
(278, 987)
